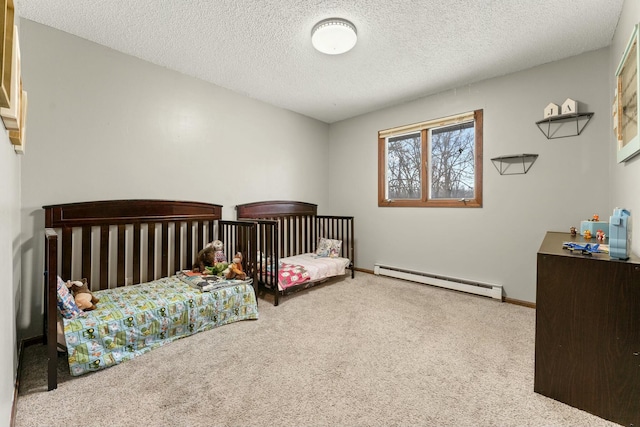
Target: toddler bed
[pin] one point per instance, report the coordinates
(297, 248)
(140, 243)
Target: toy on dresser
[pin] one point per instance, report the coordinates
(620, 234)
(593, 225)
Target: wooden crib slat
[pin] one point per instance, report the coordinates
(295, 235)
(164, 262)
(274, 257)
(189, 249)
(86, 252)
(211, 231)
(313, 241)
(67, 250)
(50, 298)
(199, 229)
(121, 255)
(104, 257)
(283, 227)
(177, 262)
(290, 236)
(341, 236)
(151, 251)
(310, 235)
(261, 245)
(350, 246)
(136, 253)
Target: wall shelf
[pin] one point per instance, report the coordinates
(551, 125)
(514, 161)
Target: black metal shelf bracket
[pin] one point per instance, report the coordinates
(505, 162)
(551, 125)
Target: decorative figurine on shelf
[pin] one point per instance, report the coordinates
(600, 235)
(573, 231)
(587, 234)
(596, 217)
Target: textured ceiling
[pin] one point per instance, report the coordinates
(406, 49)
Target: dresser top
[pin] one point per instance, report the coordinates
(553, 240)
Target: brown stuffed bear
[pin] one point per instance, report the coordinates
(235, 268)
(85, 300)
(205, 258)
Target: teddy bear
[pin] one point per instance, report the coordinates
(85, 300)
(205, 258)
(234, 270)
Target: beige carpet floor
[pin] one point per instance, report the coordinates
(368, 351)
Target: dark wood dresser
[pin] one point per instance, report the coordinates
(588, 330)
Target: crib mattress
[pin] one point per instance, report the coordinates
(315, 268)
(132, 320)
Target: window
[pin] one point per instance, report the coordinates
(434, 163)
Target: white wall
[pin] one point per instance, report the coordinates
(497, 243)
(625, 177)
(104, 125)
(10, 265)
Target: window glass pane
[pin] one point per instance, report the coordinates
(404, 154)
(452, 162)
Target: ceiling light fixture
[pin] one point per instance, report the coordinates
(334, 36)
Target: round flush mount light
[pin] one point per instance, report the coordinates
(334, 36)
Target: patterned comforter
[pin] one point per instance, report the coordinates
(133, 320)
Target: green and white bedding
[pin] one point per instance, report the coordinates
(132, 320)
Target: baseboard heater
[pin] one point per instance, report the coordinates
(473, 287)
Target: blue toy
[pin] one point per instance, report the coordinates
(587, 249)
(620, 234)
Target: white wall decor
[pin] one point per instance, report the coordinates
(551, 110)
(569, 106)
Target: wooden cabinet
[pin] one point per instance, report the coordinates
(587, 349)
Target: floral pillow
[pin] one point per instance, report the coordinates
(329, 248)
(66, 304)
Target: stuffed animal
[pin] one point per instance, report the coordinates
(218, 269)
(219, 255)
(205, 258)
(234, 270)
(85, 300)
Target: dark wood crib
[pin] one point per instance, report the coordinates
(125, 242)
(288, 228)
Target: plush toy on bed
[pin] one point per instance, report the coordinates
(234, 270)
(85, 300)
(205, 258)
(218, 255)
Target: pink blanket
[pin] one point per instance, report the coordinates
(291, 274)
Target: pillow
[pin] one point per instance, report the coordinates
(66, 304)
(328, 248)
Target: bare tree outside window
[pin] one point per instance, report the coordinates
(452, 162)
(434, 163)
(404, 155)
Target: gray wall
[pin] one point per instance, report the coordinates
(497, 243)
(104, 125)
